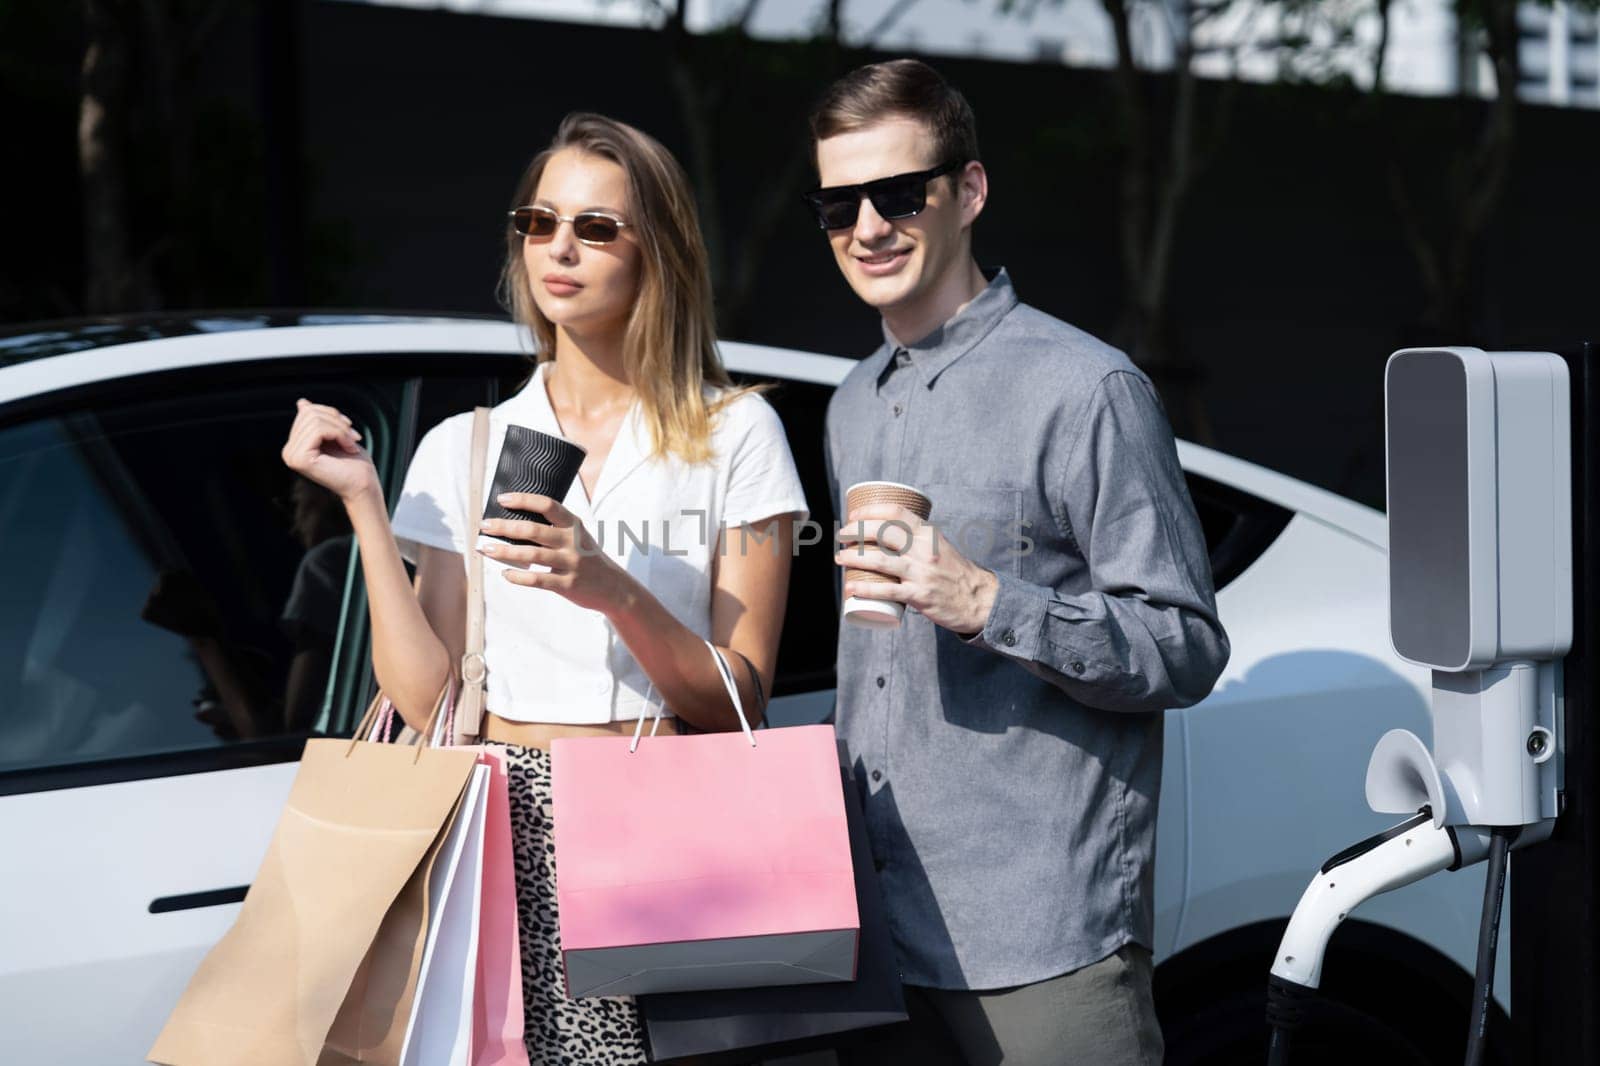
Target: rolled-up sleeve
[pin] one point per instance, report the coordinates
(1146, 636)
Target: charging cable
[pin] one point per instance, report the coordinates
(1494, 891)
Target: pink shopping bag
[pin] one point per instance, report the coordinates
(497, 1004)
(497, 1007)
(748, 883)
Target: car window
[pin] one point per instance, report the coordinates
(170, 585)
(809, 646)
(1238, 526)
(176, 599)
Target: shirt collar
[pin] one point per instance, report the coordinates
(898, 359)
(629, 450)
(961, 332)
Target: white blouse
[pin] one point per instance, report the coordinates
(550, 660)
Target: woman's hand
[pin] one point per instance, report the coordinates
(579, 570)
(323, 447)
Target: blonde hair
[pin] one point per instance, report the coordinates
(669, 346)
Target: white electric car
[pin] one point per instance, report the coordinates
(177, 617)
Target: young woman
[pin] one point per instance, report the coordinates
(591, 625)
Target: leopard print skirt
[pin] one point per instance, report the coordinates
(558, 1031)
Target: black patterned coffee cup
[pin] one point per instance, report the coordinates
(532, 462)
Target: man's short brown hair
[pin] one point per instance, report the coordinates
(899, 88)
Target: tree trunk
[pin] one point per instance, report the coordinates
(113, 281)
(1153, 188)
(1447, 257)
(1487, 167)
(702, 74)
(698, 106)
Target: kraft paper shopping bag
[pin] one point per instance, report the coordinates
(360, 819)
(371, 1024)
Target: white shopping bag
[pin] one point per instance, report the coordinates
(439, 1032)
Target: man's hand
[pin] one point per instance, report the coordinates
(935, 579)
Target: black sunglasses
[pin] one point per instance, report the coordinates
(590, 227)
(899, 196)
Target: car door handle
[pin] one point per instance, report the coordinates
(217, 897)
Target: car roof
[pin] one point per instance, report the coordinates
(48, 360)
(41, 340)
(47, 357)
(1329, 508)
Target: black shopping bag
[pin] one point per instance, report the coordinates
(791, 1018)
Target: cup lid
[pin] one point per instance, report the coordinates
(547, 433)
(885, 485)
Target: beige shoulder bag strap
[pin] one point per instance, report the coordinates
(474, 671)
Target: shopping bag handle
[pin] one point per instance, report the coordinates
(375, 723)
(727, 683)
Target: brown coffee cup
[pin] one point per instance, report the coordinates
(875, 614)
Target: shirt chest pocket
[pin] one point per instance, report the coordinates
(982, 522)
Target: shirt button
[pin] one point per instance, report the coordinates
(1009, 638)
(897, 410)
(1077, 666)
(882, 682)
(877, 775)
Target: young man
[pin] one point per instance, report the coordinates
(1008, 734)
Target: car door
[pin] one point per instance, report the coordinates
(803, 690)
(180, 613)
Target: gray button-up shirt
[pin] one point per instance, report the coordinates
(1010, 779)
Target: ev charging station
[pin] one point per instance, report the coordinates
(1479, 461)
